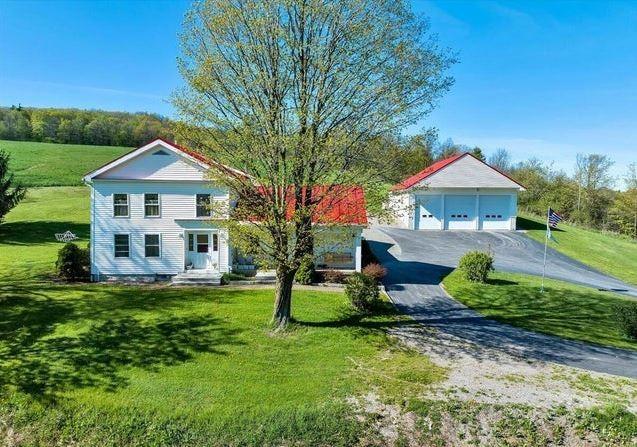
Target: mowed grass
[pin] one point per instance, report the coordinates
(52, 164)
(611, 254)
(565, 310)
(96, 364)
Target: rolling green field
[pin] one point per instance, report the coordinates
(96, 364)
(51, 164)
(565, 310)
(611, 254)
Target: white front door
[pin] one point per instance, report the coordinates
(203, 250)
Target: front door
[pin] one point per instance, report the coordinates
(203, 250)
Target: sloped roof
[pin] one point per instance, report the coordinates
(440, 165)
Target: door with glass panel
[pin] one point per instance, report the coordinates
(203, 250)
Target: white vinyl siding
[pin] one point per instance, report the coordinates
(467, 172)
(177, 216)
(156, 167)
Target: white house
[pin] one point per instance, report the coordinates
(151, 218)
(458, 193)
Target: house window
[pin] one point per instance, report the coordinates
(151, 205)
(191, 242)
(203, 205)
(215, 242)
(202, 243)
(122, 245)
(120, 205)
(152, 245)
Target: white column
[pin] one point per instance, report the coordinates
(477, 210)
(442, 206)
(358, 252)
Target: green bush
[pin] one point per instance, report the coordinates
(626, 315)
(362, 291)
(73, 263)
(476, 265)
(306, 272)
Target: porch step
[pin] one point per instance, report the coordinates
(197, 277)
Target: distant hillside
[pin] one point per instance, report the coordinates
(50, 164)
(75, 126)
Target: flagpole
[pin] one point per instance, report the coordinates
(546, 243)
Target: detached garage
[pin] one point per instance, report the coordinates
(457, 193)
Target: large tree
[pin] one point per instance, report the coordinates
(291, 92)
(11, 193)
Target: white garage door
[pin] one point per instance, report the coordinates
(460, 212)
(495, 212)
(429, 212)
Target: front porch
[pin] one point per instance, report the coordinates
(197, 277)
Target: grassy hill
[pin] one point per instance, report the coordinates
(51, 164)
(611, 254)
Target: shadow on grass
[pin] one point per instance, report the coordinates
(38, 232)
(528, 224)
(35, 361)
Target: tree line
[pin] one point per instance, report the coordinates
(75, 126)
(589, 197)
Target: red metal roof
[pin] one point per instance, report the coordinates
(420, 176)
(339, 205)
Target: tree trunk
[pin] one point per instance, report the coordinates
(283, 299)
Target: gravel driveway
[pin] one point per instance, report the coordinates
(514, 252)
(414, 270)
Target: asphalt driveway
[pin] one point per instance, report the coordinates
(415, 267)
(514, 252)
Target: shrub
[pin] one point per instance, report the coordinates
(334, 276)
(362, 291)
(73, 262)
(306, 272)
(476, 265)
(626, 315)
(375, 271)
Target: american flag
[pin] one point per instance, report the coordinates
(554, 218)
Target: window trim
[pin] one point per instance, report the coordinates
(210, 201)
(158, 205)
(127, 205)
(115, 246)
(159, 244)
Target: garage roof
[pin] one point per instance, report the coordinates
(476, 179)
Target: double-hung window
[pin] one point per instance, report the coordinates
(122, 245)
(152, 245)
(120, 205)
(203, 205)
(151, 205)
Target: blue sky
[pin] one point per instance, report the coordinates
(540, 78)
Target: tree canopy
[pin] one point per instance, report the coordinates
(293, 93)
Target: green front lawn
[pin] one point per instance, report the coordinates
(614, 255)
(96, 364)
(53, 164)
(565, 310)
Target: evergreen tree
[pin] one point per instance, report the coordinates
(10, 192)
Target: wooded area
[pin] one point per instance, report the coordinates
(75, 126)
